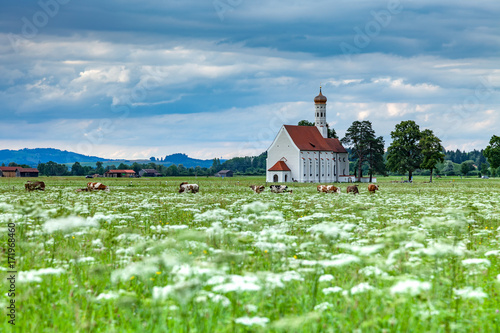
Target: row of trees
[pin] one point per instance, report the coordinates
(411, 150)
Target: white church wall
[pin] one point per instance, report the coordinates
(283, 146)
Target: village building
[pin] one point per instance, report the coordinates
(120, 173)
(305, 154)
(8, 171)
(224, 173)
(18, 172)
(27, 172)
(149, 173)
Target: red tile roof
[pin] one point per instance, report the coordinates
(335, 145)
(9, 168)
(28, 170)
(309, 138)
(280, 166)
(121, 171)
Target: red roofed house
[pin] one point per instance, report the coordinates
(306, 154)
(27, 172)
(120, 173)
(8, 171)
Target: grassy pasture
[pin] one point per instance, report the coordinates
(411, 258)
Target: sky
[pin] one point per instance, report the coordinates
(217, 78)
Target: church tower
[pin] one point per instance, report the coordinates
(320, 114)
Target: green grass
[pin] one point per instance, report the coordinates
(300, 262)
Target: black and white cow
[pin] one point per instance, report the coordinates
(279, 189)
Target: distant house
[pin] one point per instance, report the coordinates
(27, 172)
(149, 173)
(120, 173)
(224, 173)
(9, 171)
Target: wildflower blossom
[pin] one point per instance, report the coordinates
(68, 223)
(411, 287)
(470, 293)
(251, 321)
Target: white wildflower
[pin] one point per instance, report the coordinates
(35, 275)
(332, 290)
(361, 288)
(340, 260)
(68, 223)
(251, 321)
(492, 253)
(251, 308)
(323, 306)
(238, 283)
(482, 263)
(411, 287)
(107, 296)
(325, 278)
(470, 293)
(372, 271)
(255, 207)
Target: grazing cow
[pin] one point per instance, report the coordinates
(32, 186)
(97, 187)
(353, 189)
(372, 188)
(185, 188)
(328, 189)
(279, 189)
(257, 189)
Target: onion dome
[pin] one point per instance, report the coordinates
(320, 99)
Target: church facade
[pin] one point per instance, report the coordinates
(305, 154)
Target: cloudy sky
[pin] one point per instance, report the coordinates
(134, 79)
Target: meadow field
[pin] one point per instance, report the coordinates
(143, 258)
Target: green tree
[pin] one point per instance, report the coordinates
(359, 137)
(172, 170)
(77, 169)
(432, 151)
(464, 168)
(404, 153)
(123, 166)
(376, 157)
(484, 169)
(99, 169)
(305, 123)
(492, 152)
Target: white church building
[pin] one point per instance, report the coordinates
(305, 153)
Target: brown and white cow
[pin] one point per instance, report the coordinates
(97, 187)
(353, 189)
(258, 189)
(372, 188)
(32, 186)
(328, 189)
(185, 188)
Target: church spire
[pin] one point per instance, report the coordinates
(320, 113)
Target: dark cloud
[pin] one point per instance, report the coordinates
(85, 62)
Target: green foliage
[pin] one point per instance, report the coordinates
(465, 168)
(53, 169)
(305, 123)
(143, 258)
(360, 138)
(432, 151)
(404, 153)
(492, 152)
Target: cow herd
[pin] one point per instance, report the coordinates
(185, 187)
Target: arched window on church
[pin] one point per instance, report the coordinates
(305, 168)
(317, 167)
(310, 167)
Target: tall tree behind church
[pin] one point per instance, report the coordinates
(360, 137)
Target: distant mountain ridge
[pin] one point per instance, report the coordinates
(33, 157)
